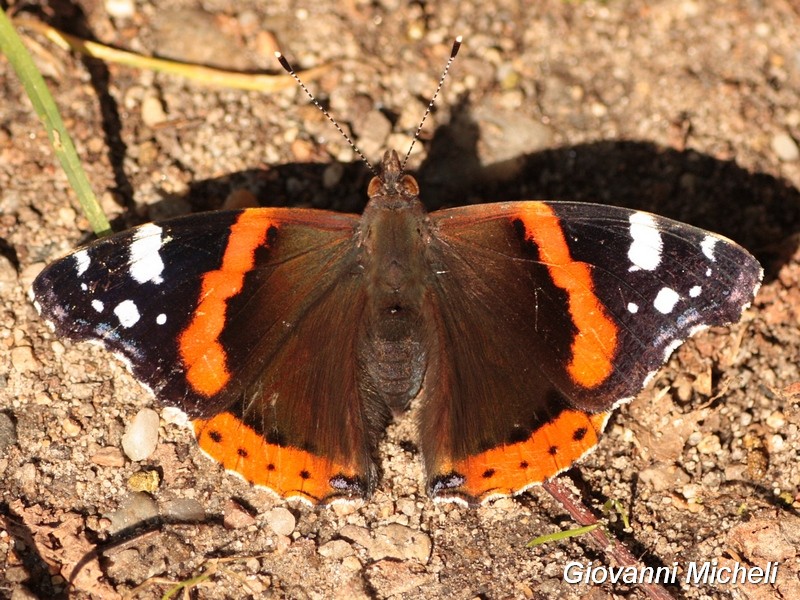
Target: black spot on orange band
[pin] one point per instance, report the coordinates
(507, 469)
(286, 470)
(595, 342)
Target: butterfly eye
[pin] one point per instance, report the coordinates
(408, 185)
(375, 187)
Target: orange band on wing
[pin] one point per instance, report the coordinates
(286, 470)
(552, 448)
(203, 355)
(596, 338)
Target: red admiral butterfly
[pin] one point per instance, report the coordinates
(291, 336)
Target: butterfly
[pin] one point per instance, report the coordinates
(291, 337)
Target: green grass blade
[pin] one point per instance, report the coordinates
(33, 82)
(561, 535)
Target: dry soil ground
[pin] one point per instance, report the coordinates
(688, 109)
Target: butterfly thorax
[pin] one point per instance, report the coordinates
(393, 235)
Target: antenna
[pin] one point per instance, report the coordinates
(453, 52)
(288, 68)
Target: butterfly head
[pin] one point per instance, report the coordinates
(393, 187)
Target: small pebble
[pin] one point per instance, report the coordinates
(71, 427)
(184, 510)
(141, 436)
(776, 420)
(120, 9)
(504, 504)
(735, 472)
(373, 129)
(144, 481)
(8, 432)
(17, 574)
(8, 273)
(407, 506)
(134, 509)
(691, 491)
(27, 476)
(785, 147)
(337, 549)
(775, 443)
(94, 145)
(391, 541)
(302, 150)
(710, 444)
(408, 542)
(359, 535)
(351, 563)
(108, 457)
(67, 216)
(343, 509)
(237, 516)
(281, 543)
(281, 521)
(663, 478)
(23, 359)
(152, 111)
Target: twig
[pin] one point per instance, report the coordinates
(607, 544)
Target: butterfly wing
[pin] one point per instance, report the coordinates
(547, 316)
(220, 315)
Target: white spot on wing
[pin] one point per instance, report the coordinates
(695, 291)
(82, 261)
(452, 500)
(345, 502)
(755, 288)
(127, 313)
(633, 308)
(648, 378)
(673, 345)
(145, 260)
(97, 305)
(707, 245)
(645, 250)
(665, 300)
(161, 319)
